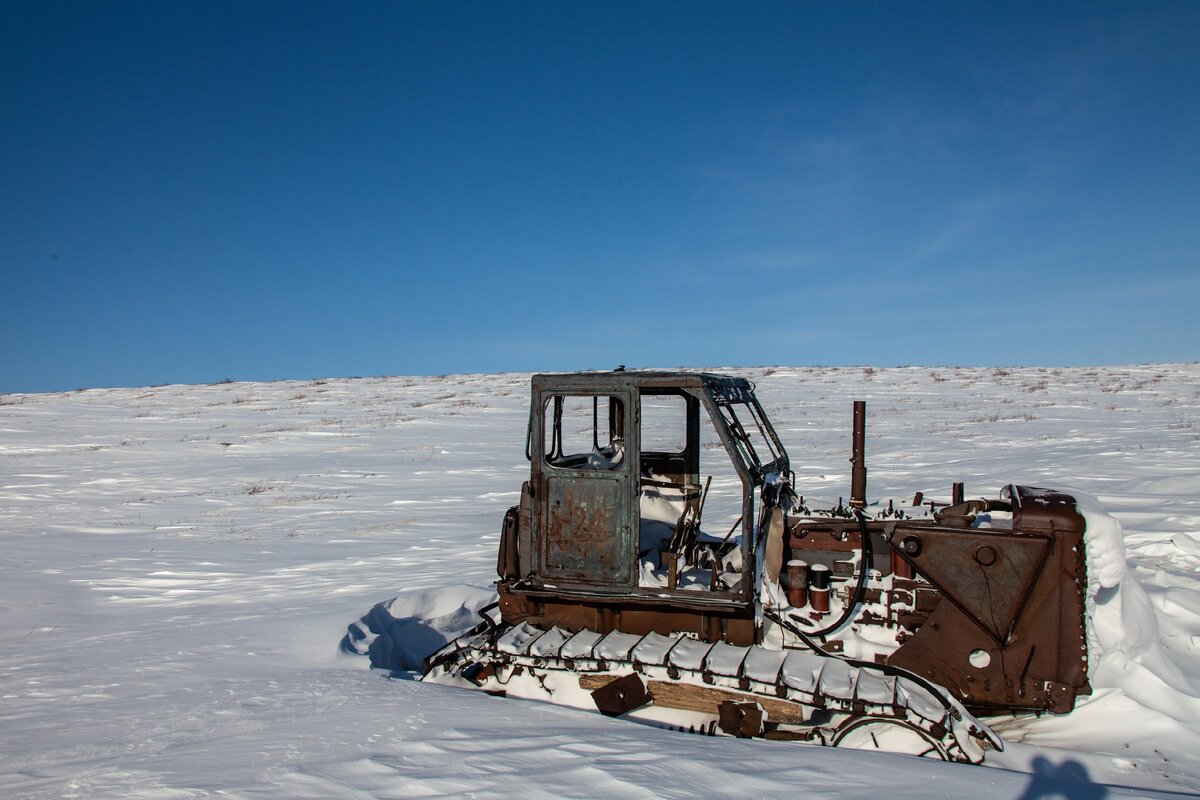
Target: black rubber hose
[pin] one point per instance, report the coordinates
(860, 589)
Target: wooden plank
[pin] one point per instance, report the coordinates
(591, 683)
(705, 699)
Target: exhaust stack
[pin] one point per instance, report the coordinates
(858, 459)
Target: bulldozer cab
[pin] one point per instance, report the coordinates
(643, 485)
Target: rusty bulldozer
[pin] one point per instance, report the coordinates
(661, 565)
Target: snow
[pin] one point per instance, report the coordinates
(180, 564)
(1104, 542)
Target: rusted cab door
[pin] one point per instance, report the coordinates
(586, 540)
(584, 470)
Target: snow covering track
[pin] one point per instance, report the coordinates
(179, 564)
(538, 663)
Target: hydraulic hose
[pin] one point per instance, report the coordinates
(860, 588)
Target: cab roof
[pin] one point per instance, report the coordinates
(640, 379)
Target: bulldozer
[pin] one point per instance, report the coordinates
(661, 565)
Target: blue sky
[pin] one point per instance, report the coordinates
(198, 191)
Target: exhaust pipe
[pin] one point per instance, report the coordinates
(858, 459)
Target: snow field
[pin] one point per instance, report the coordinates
(179, 564)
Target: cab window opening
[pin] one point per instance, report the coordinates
(584, 432)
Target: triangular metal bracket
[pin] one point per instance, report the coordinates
(987, 575)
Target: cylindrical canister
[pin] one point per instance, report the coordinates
(795, 579)
(818, 587)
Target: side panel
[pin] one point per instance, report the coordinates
(587, 538)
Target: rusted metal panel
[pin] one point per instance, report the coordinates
(525, 548)
(588, 536)
(729, 621)
(620, 695)
(1043, 511)
(507, 563)
(583, 523)
(742, 720)
(989, 576)
(1041, 663)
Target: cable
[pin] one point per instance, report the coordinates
(860, 589)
